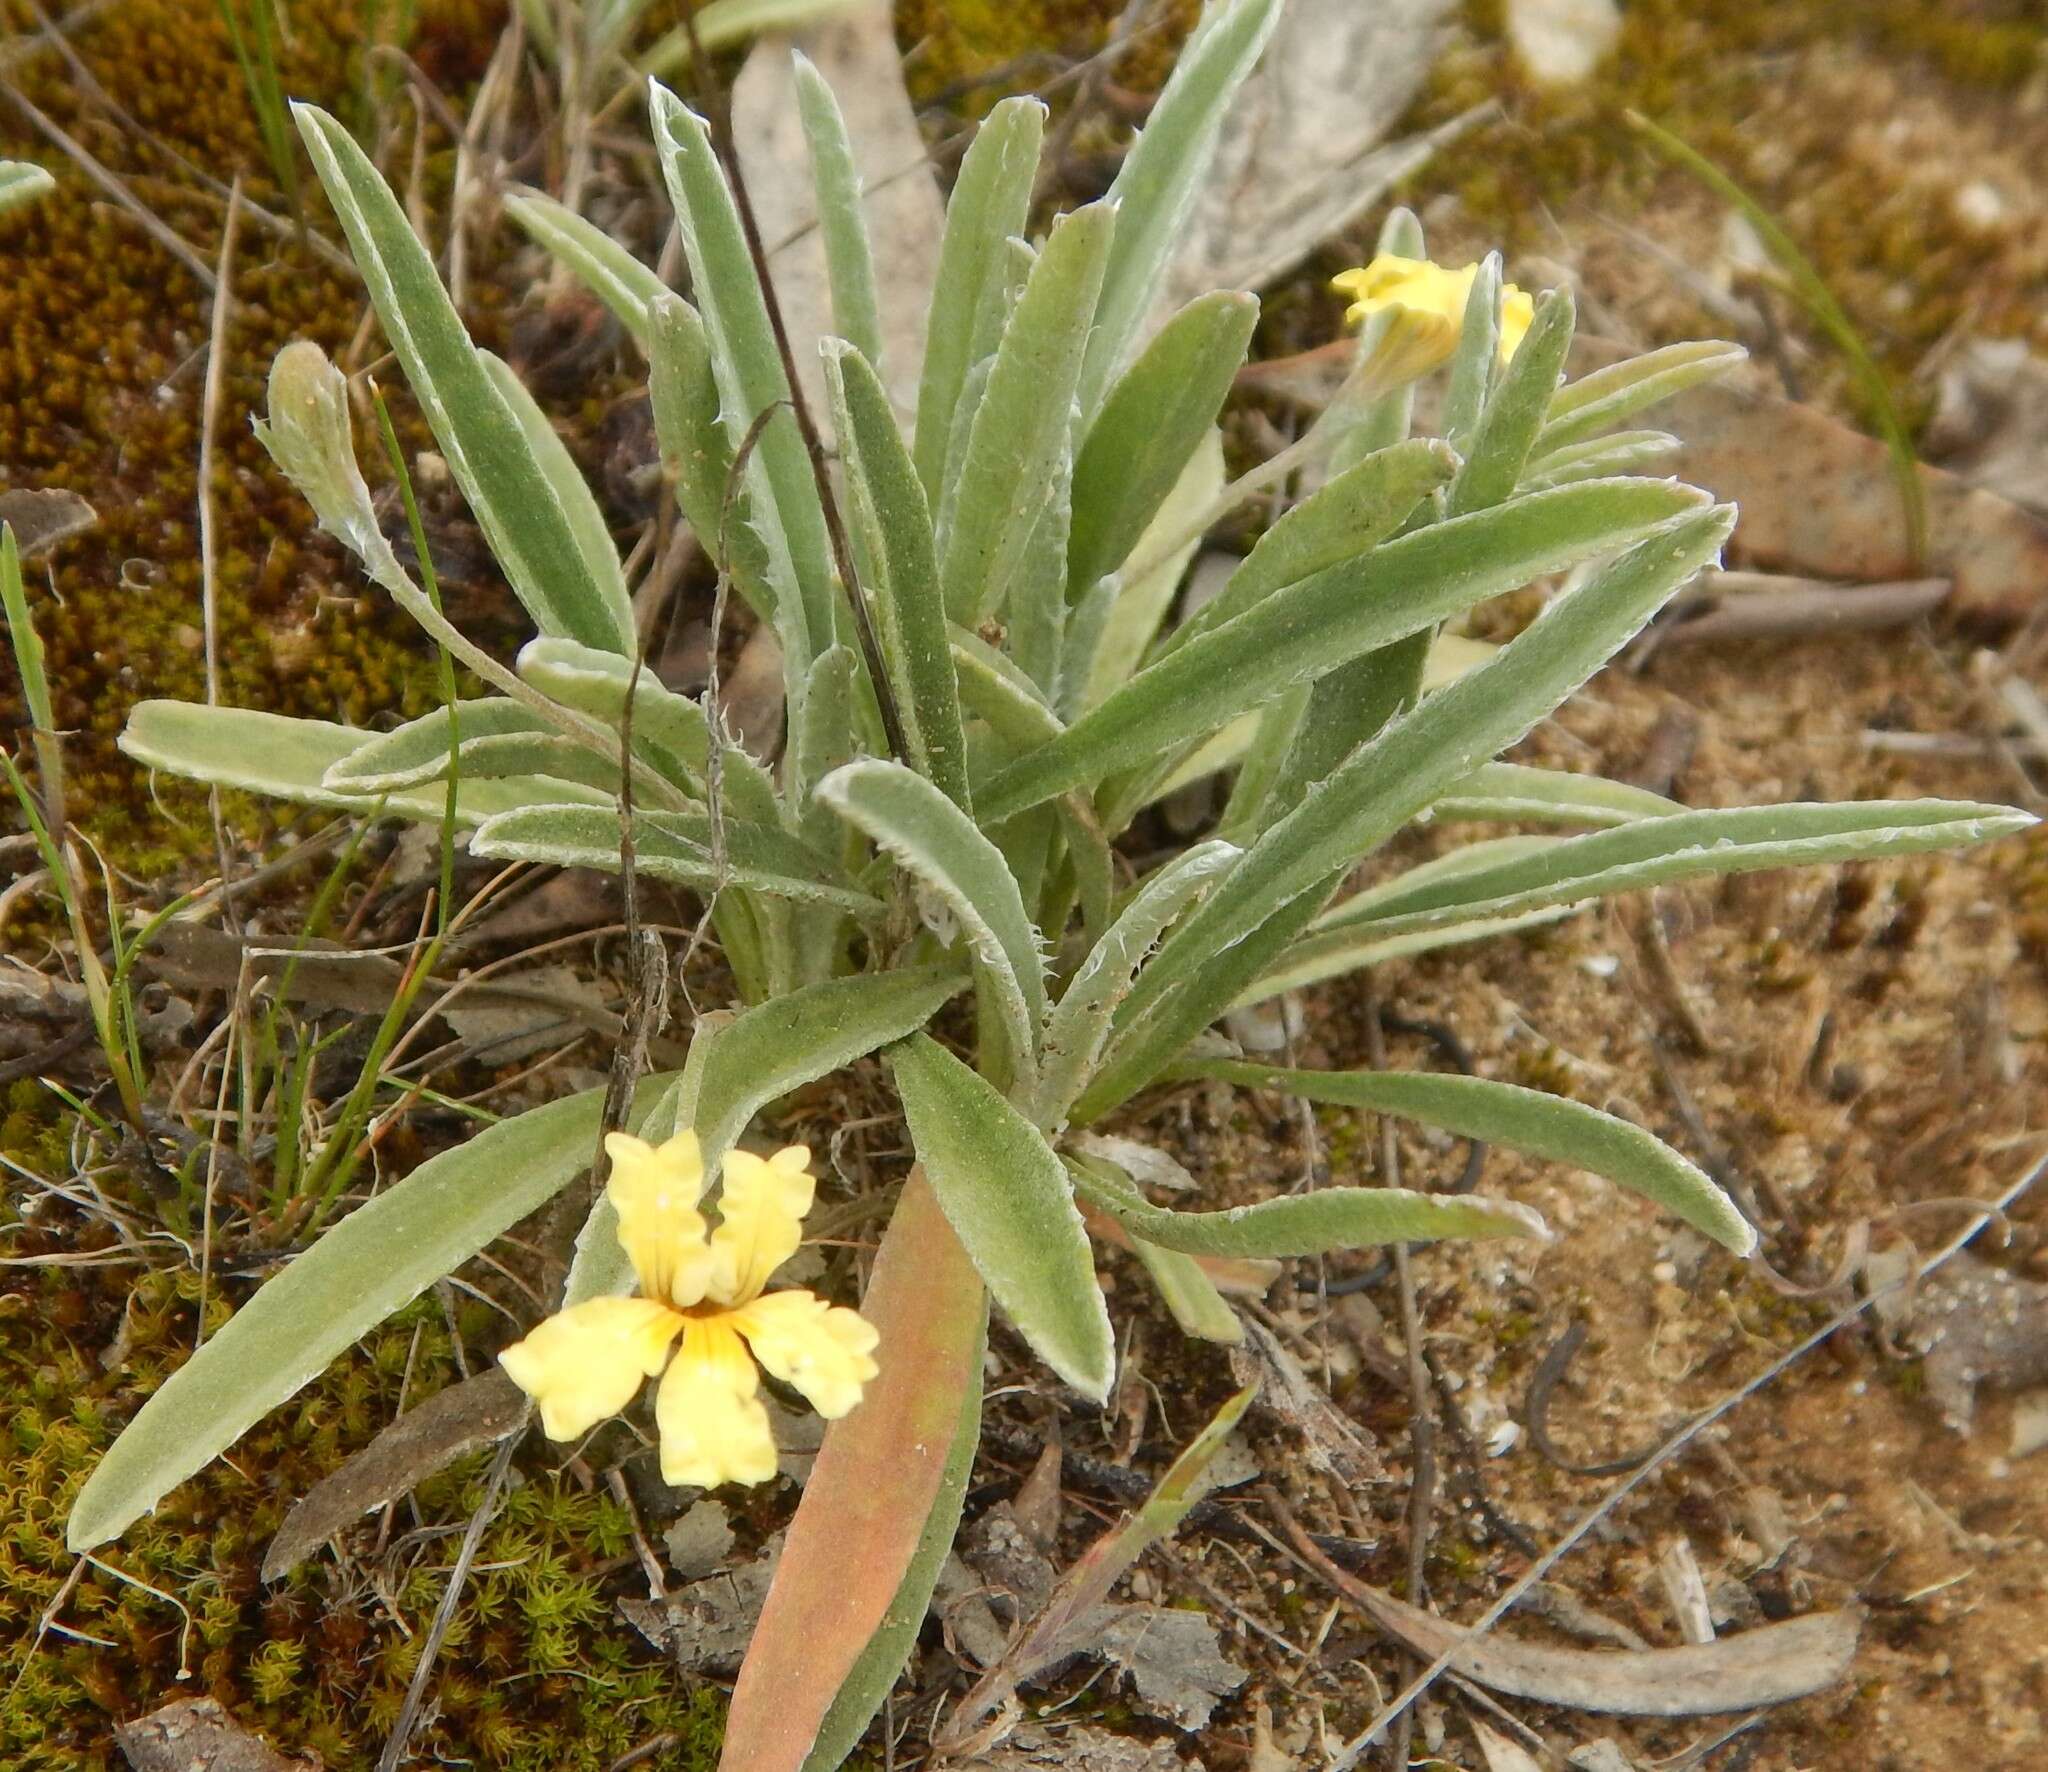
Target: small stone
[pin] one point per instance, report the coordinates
(1561, 42)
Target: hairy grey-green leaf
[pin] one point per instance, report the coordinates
(1007, 1197)
(482, 438)
(1156, 186)
(910, 605)
(991, 202)
(1273, 894)
(627, 288)
(1591, 404)
(1312, 1223)
(1305, 630)
(1154, 419)
(1549, 1126)
(1515, 409)
(1021, 423)
(379, 1257)
(674, 846)
(849, 260)
(946, 853)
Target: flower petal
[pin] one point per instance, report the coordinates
(586, 1362)
(1435, 295)
(760, 1209)
(655, 1189)
(713, 1427)
(823, 1350)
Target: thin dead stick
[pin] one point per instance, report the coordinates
(209, 546)
(1986, 1214)
(1795, 609)
(444, 1614)
(718, 110)
(152, 224)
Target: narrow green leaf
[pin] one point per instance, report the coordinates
(1007, 1198)
(1155, 187)
(417, 752)
(675, 846)
(1132, 609)
(627, 288)
(1598, 458)
(849, 260)
(1023, 419)
(723, 23)
(288, 759)
(1548, 796)
(1594, 402)
(360, 1271)
(946, 853)
(1274, 892)
(1313, 1223)
(1515, 409)
(1155, 418)
(593, 537)
(1476, 361)
(755, 1059)
(668, 727)
(1548, 1126)
(1692, 846)
(910, 606)
(1078, 1026)
(488, 451)
(745, 359)
(1345, 517)
(1307, 629)
(21, 182)
(991, 202)
(1344, 948)
(1191, 1298)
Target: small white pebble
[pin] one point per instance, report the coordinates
(1666, 1271)
(1601, 965)
(1504, 1438)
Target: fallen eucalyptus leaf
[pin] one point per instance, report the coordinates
(420, 1442)
(1083, 1748)
(41, 517)
(1773, 1665)
(196, 1735)
(1300, 157)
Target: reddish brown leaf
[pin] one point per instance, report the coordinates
(865, 1506)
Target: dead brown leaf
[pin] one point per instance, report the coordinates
(197, 1735)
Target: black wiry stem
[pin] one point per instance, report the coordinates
(717, 107)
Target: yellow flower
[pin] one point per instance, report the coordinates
(1429, 302)
(706, 1286)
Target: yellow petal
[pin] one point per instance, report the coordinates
(1434, 296)
(1516, 311)
(713, 1427)
(655, 1189)
(586, 1362)
(823, 1350)
(760, 1211)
